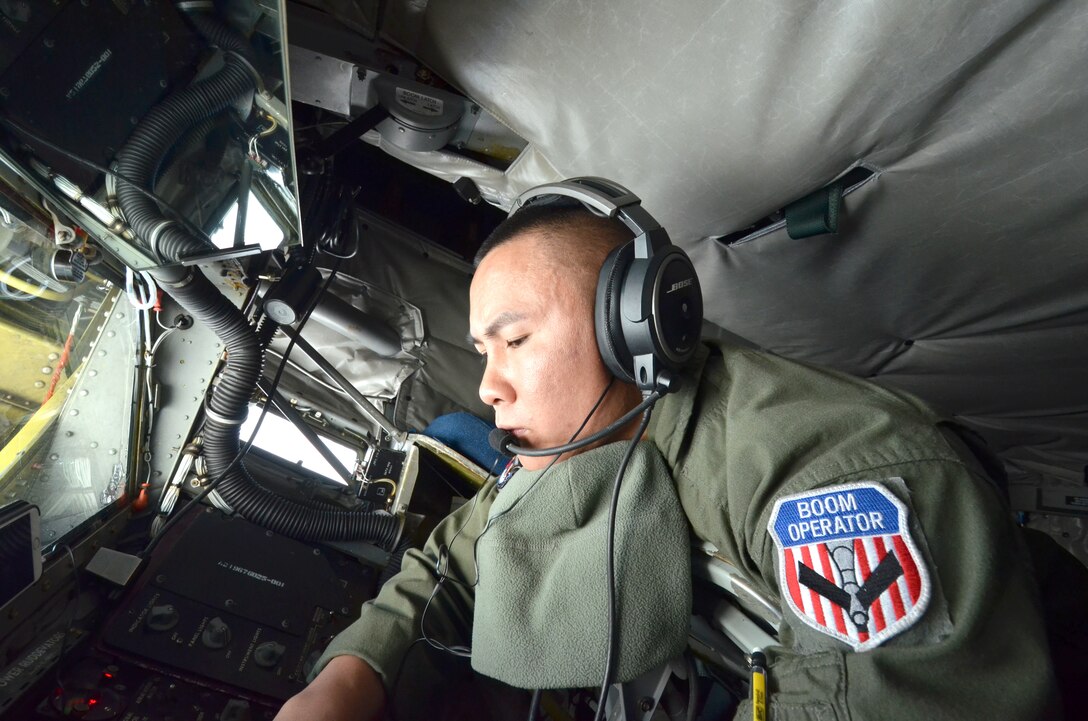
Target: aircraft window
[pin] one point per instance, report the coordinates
(259, 226)
(278, 437)
(69, 361)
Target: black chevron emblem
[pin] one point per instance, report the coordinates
(884, 575)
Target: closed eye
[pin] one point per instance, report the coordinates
(516, 341)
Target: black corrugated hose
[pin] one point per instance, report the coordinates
(228, 401)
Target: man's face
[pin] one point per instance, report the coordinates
(534, 324)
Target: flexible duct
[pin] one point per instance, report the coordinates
(228, 401)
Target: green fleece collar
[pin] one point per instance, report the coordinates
(541, 614)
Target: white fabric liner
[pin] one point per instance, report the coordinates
(970, 244)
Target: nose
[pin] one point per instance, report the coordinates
(495, 387)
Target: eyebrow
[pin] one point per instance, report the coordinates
(501, 321)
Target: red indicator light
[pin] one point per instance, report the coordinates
(92, 701)
(107, 674)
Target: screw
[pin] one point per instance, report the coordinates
(229, 603)
(285, 624)
(160, 578)
(69, 434)
(645, 703)
(4, 92)
(317, 551)
(345, 611)
(48, 42)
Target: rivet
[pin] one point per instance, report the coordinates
(39, 384)
(94, 444)
(83, 393)
(53, 356)
(111, 334)
(47, 370)
(101, 353)
(92, 373)
(73, 412)
(113, 451)
(54, 456)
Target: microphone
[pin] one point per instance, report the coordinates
(503, 441)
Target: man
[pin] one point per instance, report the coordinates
(922, 607)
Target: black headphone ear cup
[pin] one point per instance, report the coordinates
(606, 314)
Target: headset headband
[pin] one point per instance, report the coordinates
(607, 199)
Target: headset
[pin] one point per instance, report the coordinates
(649, 306)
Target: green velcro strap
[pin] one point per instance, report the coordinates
(815, 214)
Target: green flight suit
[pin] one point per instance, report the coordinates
(745, 429)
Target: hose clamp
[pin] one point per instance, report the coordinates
(190, 276)
(222, 419)
(153, 236)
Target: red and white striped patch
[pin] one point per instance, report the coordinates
(847, 564)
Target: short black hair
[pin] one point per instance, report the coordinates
(550, 219)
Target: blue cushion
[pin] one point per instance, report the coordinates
(466, 434)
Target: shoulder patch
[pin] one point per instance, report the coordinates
(847, 564)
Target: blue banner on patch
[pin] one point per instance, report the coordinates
(836, 515)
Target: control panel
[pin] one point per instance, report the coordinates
(97, 687)
(234, 606)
